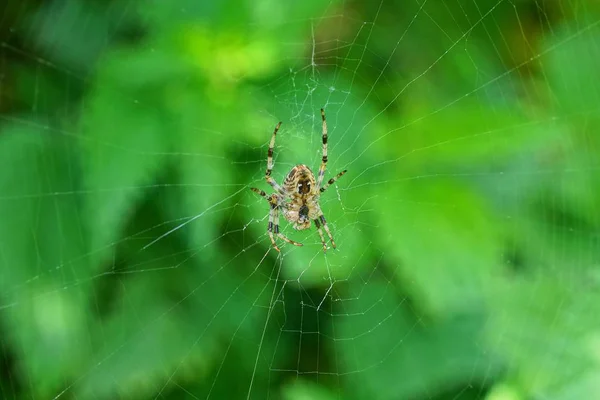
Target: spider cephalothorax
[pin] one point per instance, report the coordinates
(298, 197)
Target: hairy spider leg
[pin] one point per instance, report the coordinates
(324, 159)
(318, 225)
(261, 193)
(323, 166)
(324, 223)
(270, 228)
(268, 176)
(280, 235)
(332, 180)
(273, 227)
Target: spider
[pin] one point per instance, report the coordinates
(298, 197)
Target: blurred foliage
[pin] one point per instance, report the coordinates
(134, 261)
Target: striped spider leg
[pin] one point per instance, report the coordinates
(320, 220)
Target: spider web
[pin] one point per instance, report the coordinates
(135, 259)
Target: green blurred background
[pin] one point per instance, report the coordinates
(134, 260)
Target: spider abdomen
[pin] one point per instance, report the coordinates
(300, 187)
(300, 180)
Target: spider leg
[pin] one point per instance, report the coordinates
(324, 160)
(332, 180)
(280, 235)
(324, 223)
(261, 193)
(268, 176)
(318, 225)
(270, 228)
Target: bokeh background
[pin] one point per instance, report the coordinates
(134, 260)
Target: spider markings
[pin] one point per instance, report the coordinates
(298, 197)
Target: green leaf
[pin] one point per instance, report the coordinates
(386, 351)
(534, 244)
(548, 333)
(465, 133)
(138, 71)
(143, 342)
(125, 141)
(44, 276)
(305, 390)
(206, 188)
(95, 26)
(575, 88)
(443, 238)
